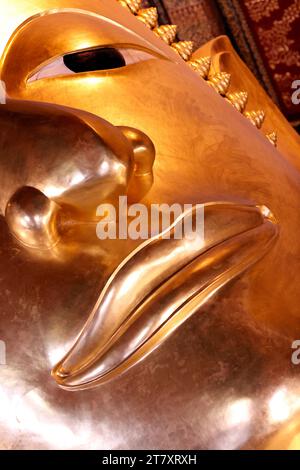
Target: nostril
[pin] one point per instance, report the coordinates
(143, 150)
(32, 218)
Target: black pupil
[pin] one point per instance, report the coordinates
(95, 59)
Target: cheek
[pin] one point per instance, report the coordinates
(197, 134)
(150, 92)
(166, 101)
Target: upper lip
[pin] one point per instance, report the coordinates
(158, 286)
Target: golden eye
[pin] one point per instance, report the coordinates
(101, 58)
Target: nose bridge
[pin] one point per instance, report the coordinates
(84, 153)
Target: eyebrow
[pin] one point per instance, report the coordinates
(88, 13)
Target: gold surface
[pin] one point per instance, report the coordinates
(165, 137)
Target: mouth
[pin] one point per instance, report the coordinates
(160, 285)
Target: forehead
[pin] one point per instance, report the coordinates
(15, 12)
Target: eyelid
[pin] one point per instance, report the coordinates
(57, 67)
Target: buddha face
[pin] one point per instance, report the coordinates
(95, 57)
(107, 63)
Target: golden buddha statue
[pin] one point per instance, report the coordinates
(102, 101)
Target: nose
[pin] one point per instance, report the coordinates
(143, 149)
(144, 158)
(33, 218)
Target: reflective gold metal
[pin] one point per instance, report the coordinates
(92, 310)
(201, 66)
(166, 32)
(184, 49)
(133, 5)
(272, 138)
(118, 334)
(256, 117)
(149, 16)
(238, 99)
(220, 82)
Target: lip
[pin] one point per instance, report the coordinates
(159, 286)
